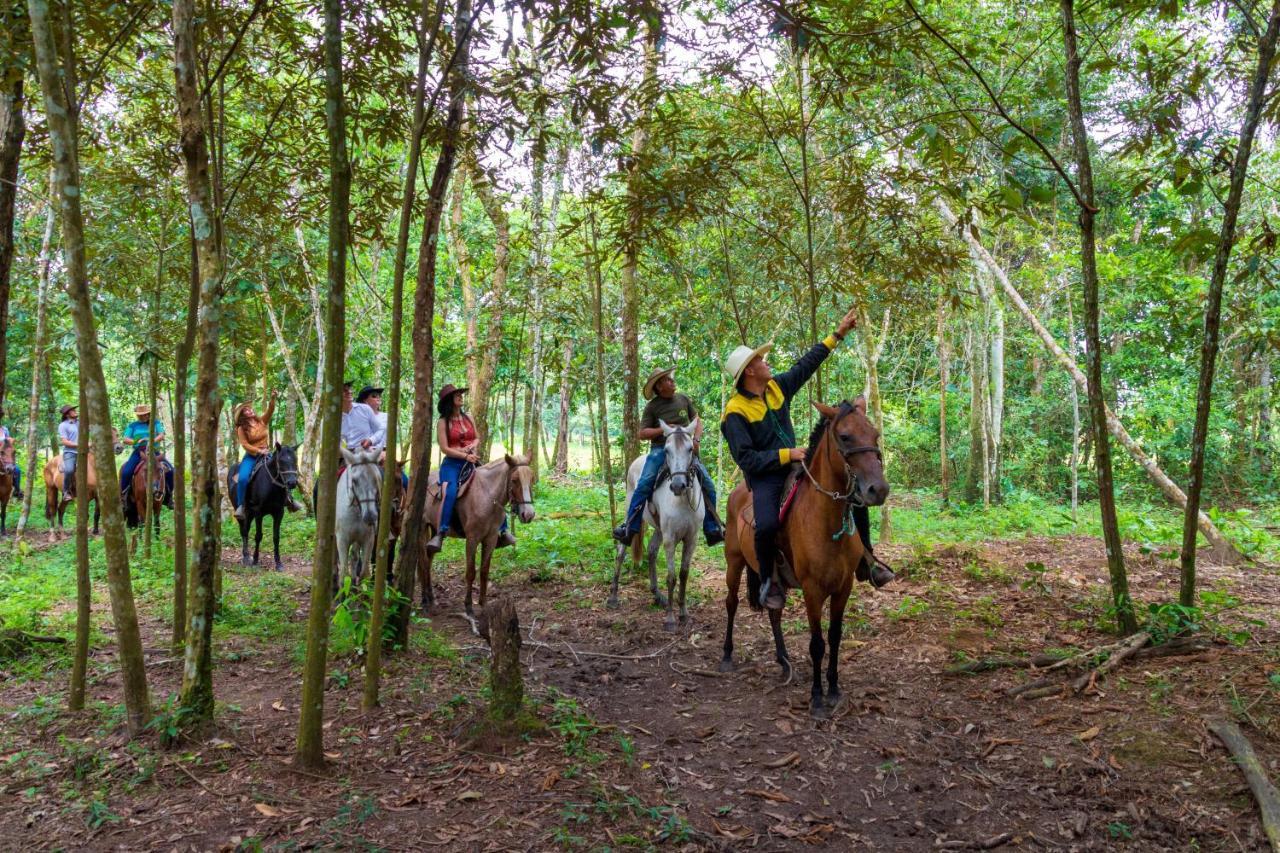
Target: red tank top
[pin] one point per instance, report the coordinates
(460, 431)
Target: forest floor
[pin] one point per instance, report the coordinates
(646, 744)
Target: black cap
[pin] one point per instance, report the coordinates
(367, 391)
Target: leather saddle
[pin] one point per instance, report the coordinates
(747, 526)
(435, 499)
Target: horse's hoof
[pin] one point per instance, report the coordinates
(784, 671)
(669, 626)
(833, 698)
(659, 600)
(279, 566)
(612, 603)
(246, 562)
(727, 665)
(817, 709)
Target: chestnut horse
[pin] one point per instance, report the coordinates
(140, 493)
(55, 503)
(6, 480)
(818, 538)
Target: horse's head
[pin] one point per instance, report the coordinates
(116, 444)
(520, 486)
(285, 459)
(857, 441)
(678, 444)
(157, 477)
(364, 483)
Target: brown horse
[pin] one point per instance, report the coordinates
(55, 503)
(818, 539)
(6, 480)
(480, 510)
(140, 492)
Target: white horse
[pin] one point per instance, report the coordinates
(675, 511)
(359, 494)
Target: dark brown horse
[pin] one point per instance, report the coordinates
(141, 492)
(55, 503)
(818, 538)
(6, 480)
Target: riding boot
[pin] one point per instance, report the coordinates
(292, 505)
(435, 543)
(239, 513)
(168, 499)
(871, 569)
(505, 539)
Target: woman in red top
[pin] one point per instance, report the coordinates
(458, 440)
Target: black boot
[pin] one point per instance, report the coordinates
(714, 536)
(623, 535)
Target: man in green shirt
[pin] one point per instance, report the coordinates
(668, 406)
(137, 434)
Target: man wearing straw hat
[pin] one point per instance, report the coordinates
(757, 426)
(665, 405)
(69, 439)
(136, 434)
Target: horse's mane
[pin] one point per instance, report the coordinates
(816, 436)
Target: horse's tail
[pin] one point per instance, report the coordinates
(753, 589)
(637, 545)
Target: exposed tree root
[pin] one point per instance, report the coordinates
(1247, 760)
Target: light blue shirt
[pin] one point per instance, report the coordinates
(69, 430)
(363, 423)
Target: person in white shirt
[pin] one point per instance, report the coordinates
(348, 436)
(366, 432)
(69, 438)
(7, 458)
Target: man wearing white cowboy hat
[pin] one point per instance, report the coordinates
(136, 434)
(757, 426)
(678, 410)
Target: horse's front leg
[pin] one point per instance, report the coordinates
(245, 560)
(669, 624)
(686, 558)
(656, 539)
(621, 554)
(424, 581)
(834, 630)
(471, 572)
(817, 648)
(97, 515)
(486, 556)
(257, 539)
(275, 538)
(780, 645)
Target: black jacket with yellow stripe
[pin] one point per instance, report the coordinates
(758, 428)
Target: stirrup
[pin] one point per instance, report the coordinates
(622, 535)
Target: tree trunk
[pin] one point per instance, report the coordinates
(1264, 416)
(872, 347)
(182, 367)
(561, 463)
(506, 681)
(422, 433)
(1125, 619)
(310, 748)
(84, 584)
(944, 379)
(597, 288)
(631, 249)
(1213, 310)
(995, 436)
(1075, 417)
(39, 352)
(1113, 425)
(461, 258)
(196, 695)
(390, 470)
(482, 382)
(13, 128)
(153, 381)
(973, 479)
(58, 82)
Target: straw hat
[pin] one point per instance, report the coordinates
(653, 380)
(240, 407)
(741, 357)
(141, 410)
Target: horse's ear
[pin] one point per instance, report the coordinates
(512, 462)
(666, 427)
(277, 445)
(348, 456)
(693, 427)
(860, 404)
(825, 410)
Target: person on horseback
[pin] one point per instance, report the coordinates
(136, 434)
(69, 438)
(8, 456)
(757, 426)
(458, 440)
(253, 435)
(364, 426)
(676, 409)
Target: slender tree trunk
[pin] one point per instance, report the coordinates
(561, 463)
(310, 749)
(153, 382)
(182, 367)
(1075, 417)
(631, 249)
(422, 432)
(872, 348)
(39, 352)
(196, 695)
(1264, 415)
(13, 129)
(1116, 429)
(974, 469)
(995, 436)
(461, 258)
(1213, 310)
(1125, 619)
(482, 382)
(944, 379)
(58, 82)
(84, 584)
(390, 472)
(597, 289)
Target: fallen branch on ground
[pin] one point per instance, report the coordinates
(577, 653)
(1247, 760)
(1111, 655)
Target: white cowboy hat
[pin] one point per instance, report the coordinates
(741, 357)
(653, 380)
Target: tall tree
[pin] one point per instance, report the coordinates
(310, 748)
(197, 675)
(58, 82)
(39, 350)
(182, 364)
(13, 129)
(1213, 309)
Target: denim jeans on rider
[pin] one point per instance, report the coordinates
(648, 479)
(242, 479)
(451, 471)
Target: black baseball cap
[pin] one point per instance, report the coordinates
(367, 391)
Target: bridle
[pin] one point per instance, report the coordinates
(512, 494)
(850, 497)
(277, 475)
(355, 499)
(689, 474)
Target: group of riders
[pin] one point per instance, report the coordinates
(756, 424)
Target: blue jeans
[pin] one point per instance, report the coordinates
(648, 480)
(139, 457)
(451, 472)
(17, 478)
(242, 479)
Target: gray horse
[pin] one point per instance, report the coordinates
(675, 512)
(359, 494)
